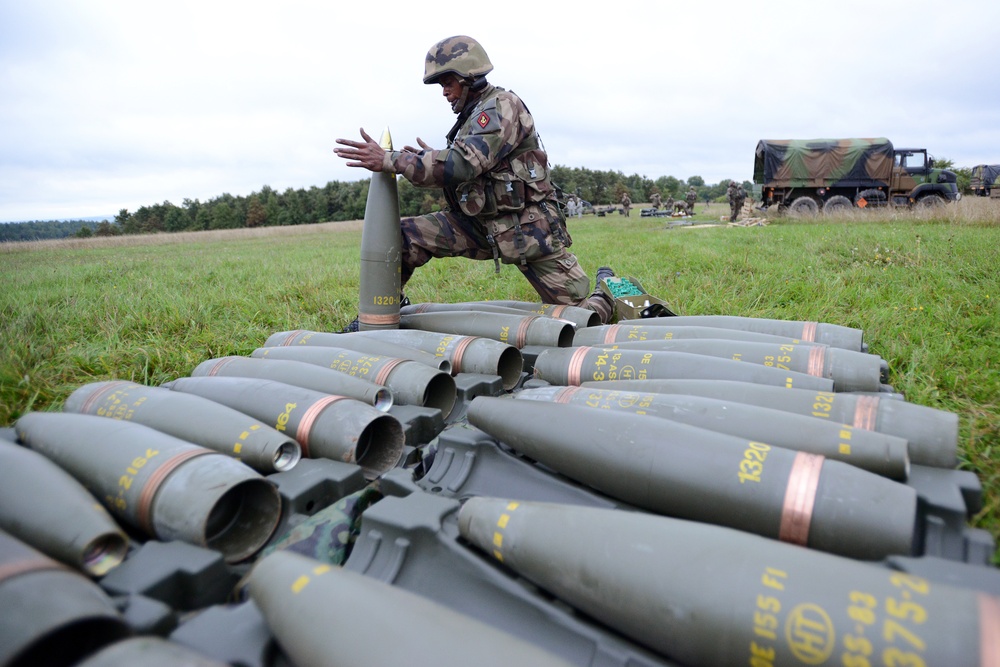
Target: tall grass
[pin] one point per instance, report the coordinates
(923, 285)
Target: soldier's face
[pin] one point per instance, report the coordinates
(451, 87)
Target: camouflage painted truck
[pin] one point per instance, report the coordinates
(803, 177)
(984, 180)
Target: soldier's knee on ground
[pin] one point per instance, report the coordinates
(558, 278)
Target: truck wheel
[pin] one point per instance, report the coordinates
(931, 201)
(837, 204)
(873, 198)
(803, 207)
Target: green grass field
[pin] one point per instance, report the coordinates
(923, 286)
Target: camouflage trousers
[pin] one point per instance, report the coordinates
(537, 251)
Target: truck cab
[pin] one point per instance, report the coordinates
(914, 179)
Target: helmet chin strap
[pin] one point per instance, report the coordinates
(459, 104)
(472, 84)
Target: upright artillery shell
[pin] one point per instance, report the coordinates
(358, 344)
(169, 488)
(575, 365)
(191, 418)
(411, 383)
(51, 614)
(381, 252)
(692, 473)
(705, 595)
(300, 374)
(45, 507)
(932, 434)
(834, 335)
(289, 587)
(882, 454)
(467, 354)
(517, 330)
(326, 426)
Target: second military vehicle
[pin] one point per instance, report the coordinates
(806, 176)
(984, 178)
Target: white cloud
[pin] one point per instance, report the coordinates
(112, 104)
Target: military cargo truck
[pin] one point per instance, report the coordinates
(984, 178)
(806, 176)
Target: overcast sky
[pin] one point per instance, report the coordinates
(109, 104)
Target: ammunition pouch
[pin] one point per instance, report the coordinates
(508, 191)
(492, 194)
(530, 168)
(474, 200)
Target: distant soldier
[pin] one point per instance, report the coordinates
(741, 197)
(571, 206)
(669, 206)
(734, 204)
(655, 200)
(690, 199)
(626, 204)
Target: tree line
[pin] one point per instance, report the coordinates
(337, 201)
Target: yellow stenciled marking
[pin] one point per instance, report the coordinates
(300, 583)
(255, 427)
(788, 383)
(285, 416)
(752, 464)
(502, 524)
(809, 633)
(244, 435)
(321, 569)
(237, 448)
(845, 447)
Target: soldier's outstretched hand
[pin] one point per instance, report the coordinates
(421, 143)
(367, 153)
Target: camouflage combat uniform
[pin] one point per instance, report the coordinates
(741, 197)
(502, 205)
(626, 204)
(690, 199)
(655, 200)
(734, 208)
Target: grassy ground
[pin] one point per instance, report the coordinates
(923, 285)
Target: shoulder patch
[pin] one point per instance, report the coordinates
(483, 120)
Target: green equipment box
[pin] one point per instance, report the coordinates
(631, 300)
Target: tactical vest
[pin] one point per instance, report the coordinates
(520, 179)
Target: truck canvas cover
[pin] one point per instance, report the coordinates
(798, 163)
(986, 174)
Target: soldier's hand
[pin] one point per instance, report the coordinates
(367, 153)
(420, 142)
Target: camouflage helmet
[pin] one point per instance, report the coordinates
(459, 55)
